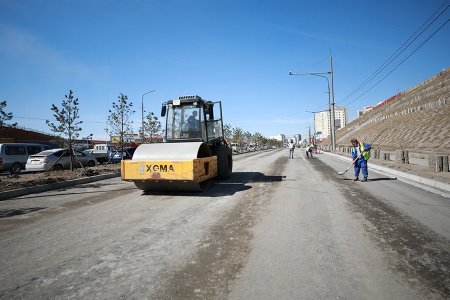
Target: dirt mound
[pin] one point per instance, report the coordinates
(12, 182)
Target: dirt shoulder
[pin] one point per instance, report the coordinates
(417, 170)
(12, 182)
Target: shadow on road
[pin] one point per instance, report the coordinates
(373, 179)
(237, 183)
(381, 179)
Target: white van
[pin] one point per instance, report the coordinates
(13, 157)
(102, 152)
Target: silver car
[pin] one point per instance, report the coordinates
(58, 159)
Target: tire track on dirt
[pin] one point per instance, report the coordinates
(412, 249)
(223, 252)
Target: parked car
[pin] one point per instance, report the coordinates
(58, 159)
(116, 156)
(13, 157)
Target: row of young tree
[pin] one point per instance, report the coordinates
(67, 123)
(67, 119)
(242, 138)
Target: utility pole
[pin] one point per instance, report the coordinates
(309, 134)
(332, 105)
(314, 127)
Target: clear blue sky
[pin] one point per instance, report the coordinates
(236, 51)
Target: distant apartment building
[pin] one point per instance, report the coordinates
(322, 121)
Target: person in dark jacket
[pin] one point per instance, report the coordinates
(361, 156)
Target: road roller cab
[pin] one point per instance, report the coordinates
(190, 118)
(193, 152)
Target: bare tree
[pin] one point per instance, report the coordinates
(4, 116)
(258, 139)
(227, 132)
(66, 121)
(248, 138)
(120, 118)
(152, 125)
(238, 136)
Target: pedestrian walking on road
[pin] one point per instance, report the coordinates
(360, 155)
(291, 147)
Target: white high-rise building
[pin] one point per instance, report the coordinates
(297, 139)
(322, 121)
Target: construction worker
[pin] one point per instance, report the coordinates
(291, 147)
(360, 155)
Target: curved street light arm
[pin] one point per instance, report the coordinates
(322, 74)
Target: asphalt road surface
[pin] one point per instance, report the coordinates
(278, 229)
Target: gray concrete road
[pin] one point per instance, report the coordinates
(279, 228)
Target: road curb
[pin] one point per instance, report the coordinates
(52, 186)
(430, 185)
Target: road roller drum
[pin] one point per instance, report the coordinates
(183, 166)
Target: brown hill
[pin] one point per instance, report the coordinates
(417, 119)
(409, 131)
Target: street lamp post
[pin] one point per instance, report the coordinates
(322, 74)
(314, 127)
(142, 110)
(330, 96)
(309, 133)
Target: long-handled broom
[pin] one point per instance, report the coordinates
(353, 162)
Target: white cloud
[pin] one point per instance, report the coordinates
(324, 38)
(22, 47)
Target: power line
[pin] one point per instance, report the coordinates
(399, 51)
(420, 46)
(29, 118)
(26, 118)
(394, 56)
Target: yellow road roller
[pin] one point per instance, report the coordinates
(194, 150)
